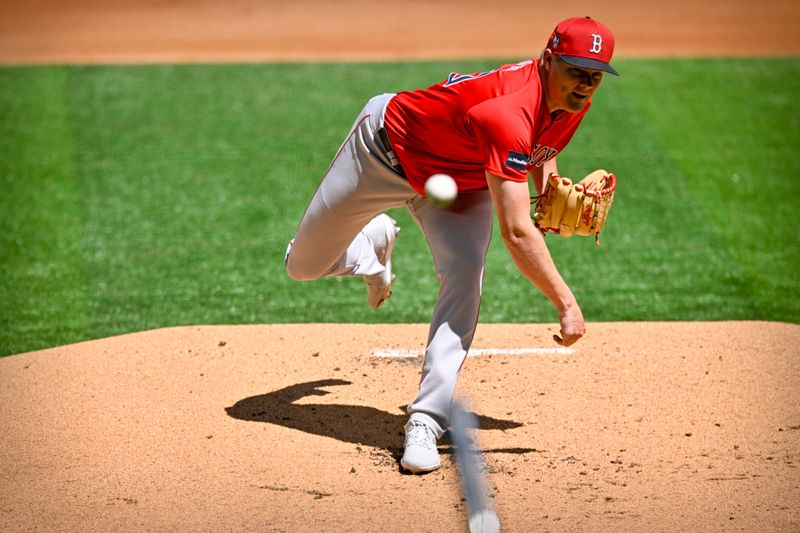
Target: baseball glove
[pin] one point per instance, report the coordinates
(575, 209)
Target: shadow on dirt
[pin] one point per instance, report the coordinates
(358, 424)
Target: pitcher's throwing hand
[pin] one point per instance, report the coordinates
(572, 326)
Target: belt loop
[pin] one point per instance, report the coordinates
(386, 144)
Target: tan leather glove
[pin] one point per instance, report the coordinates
(575, 209)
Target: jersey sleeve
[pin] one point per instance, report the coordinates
(503, 137)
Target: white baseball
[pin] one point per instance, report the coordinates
(441, 190)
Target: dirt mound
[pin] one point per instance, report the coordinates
(667, 426)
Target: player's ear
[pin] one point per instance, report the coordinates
(547, 58)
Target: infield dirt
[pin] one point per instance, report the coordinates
(643, 427)
(134, 31)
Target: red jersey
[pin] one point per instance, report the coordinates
(495, 121)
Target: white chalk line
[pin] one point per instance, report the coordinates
(394, 353)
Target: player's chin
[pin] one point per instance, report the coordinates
(576, 101)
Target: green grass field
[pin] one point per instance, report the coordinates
(150, 196)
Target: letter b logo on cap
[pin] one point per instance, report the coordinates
(597, 43)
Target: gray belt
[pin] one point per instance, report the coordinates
(383, 139)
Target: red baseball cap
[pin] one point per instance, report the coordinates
(583, 42)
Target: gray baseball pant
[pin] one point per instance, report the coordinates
(360, 184)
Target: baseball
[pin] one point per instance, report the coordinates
(441, 190)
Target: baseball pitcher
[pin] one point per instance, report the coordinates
(494, 132)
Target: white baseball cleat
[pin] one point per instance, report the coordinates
(382, 231)
(421, 454)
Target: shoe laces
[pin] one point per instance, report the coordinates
(420, 434)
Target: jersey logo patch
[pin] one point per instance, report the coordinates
(517, 161)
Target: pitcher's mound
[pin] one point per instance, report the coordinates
(666, 426)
